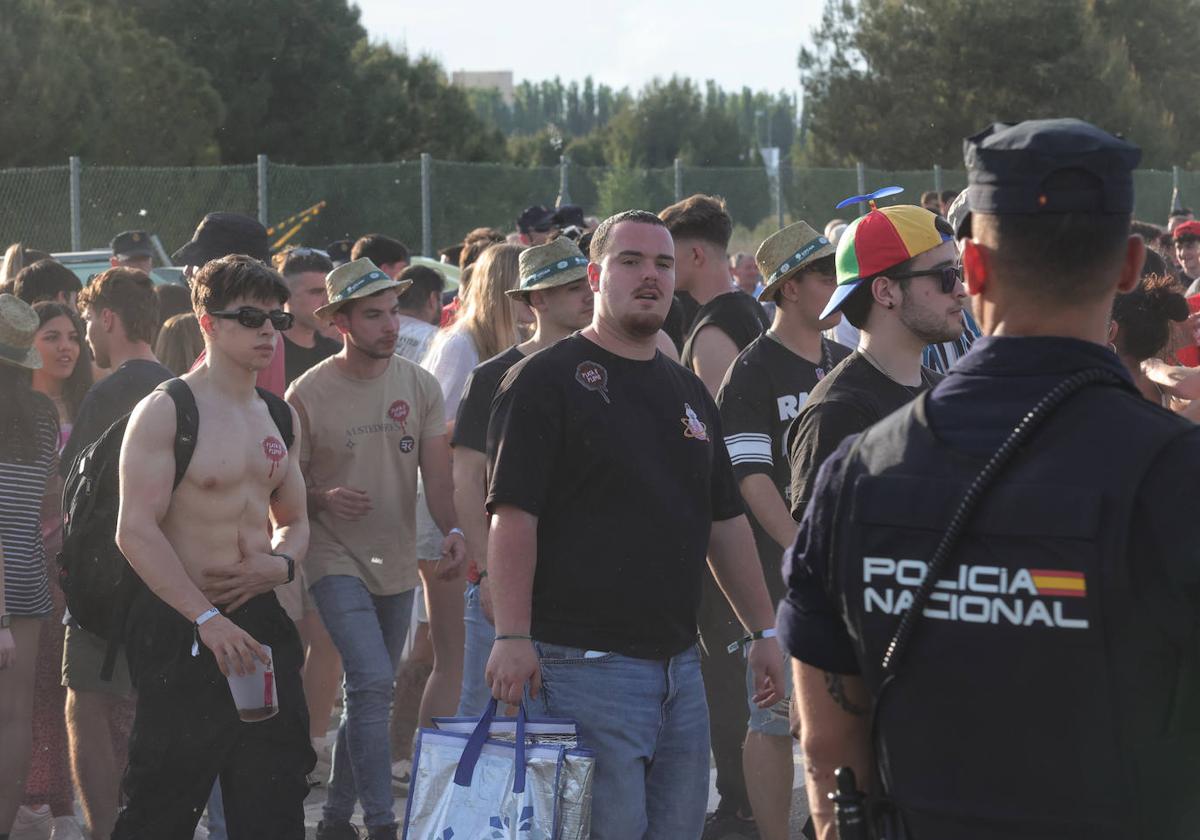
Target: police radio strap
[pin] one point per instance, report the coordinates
(893, 655)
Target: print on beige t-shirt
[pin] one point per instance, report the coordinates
(366, 434)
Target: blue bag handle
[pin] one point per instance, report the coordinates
(471, 752)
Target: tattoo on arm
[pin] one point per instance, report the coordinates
(837, 690)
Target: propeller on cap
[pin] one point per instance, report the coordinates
(882, 192)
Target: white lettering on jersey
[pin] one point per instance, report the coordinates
(789, 406)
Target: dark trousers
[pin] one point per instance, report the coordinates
(725, 689)
(187, 733)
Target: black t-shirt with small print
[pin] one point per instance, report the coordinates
(623, 462)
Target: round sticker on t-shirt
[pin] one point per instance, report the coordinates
(407, 444)
(398, 411)
(594, 377)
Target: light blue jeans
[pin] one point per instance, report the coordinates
(647, 720)
(368, 631)
(480, 635)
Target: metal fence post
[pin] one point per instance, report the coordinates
(76, 205)
(937, 178)
(678, 179)
(564, 192)
(779, 197)
(862, 186)
(426, 205)
(262, 191)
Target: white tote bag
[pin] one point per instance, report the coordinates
(472, 787)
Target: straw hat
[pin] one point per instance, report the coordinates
(18, 326)
(356, 279)
(784, 253)
(556, 263)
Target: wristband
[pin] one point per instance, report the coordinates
(290, 563)
(515, 636)
(454, 531)
(769, 633)
(208, 614)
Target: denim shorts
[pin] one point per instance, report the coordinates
(774, 719)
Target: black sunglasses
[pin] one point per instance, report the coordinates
(253, 317)
(950, 275)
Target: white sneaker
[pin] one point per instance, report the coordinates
(32, 824)
(66, 828)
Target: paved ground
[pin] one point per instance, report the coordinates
(312, 806)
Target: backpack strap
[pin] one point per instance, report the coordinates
(281, 413)
(187, 424)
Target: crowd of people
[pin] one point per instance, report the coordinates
(581, 467)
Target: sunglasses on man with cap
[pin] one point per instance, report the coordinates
(948, 276)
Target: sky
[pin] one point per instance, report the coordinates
(618, 42)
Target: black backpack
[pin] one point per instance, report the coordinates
(97, 580)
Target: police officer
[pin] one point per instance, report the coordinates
(132, 249)
(1047, 686)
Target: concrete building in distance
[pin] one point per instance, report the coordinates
(501, 80)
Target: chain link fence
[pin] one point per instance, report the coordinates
(430, 203)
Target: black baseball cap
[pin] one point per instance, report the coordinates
(569, 215)
(537, 218)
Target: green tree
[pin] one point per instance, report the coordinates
(75, 81)
(283, 69)
(669, 120)
(898, 85)
(402, 108)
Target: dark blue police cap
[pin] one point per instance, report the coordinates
(1049, 166)
(132, 243)
(339, 251)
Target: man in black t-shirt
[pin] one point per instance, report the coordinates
(121, 312)
(554, 284)
(304, 271)
(610, 484)
(900, 305)
(725, 323)
(763, 391)
(728, 319)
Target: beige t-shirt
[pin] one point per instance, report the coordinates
(366, 434)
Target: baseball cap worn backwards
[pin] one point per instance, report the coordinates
(884, 237)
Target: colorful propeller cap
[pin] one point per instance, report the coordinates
(873, 243)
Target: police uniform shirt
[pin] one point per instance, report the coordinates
(624, 464)
(974, 410)
(763, 392)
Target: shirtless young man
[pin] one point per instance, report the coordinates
(210, 564)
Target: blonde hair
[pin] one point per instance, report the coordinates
(489, 317)
(179, 343)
